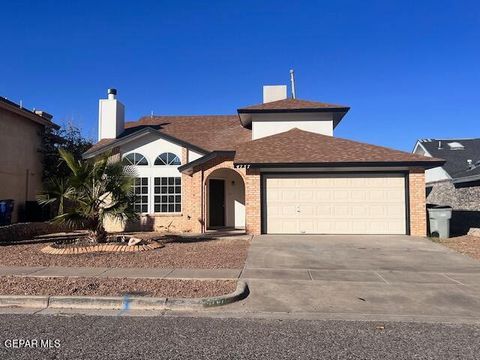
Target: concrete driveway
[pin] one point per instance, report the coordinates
(361, 276)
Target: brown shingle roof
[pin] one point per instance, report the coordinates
(302, 147)
(209, 132)
(292, 105)
(97, 146)
(206, 132)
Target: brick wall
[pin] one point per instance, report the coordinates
(253, 202)
(416, 184)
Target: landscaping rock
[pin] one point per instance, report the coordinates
(90, 286)
(134, 241)
(474, 232)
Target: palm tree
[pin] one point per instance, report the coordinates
(95, 190)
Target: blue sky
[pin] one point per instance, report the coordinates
(407, 69)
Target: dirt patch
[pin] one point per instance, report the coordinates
(66, 286)
(468, 245)
(178, 253)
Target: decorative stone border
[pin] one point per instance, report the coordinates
(85, 249)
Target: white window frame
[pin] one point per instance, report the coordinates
(151, 172)
(168, 194)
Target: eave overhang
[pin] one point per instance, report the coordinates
(189, 168)
(246, 115)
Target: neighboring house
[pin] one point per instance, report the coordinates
(271, 168)
(457, 182)
(21, 160)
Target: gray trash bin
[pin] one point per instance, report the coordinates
(439, 218)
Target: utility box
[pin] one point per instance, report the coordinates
(6, 209)
(439, 219)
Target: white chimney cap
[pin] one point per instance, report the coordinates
(112, 93)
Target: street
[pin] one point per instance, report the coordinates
(118, 337)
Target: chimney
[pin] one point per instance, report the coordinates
(274, 93)
(111, 116)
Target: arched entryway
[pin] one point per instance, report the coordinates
(225, 199)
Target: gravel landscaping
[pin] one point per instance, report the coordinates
(467, 245)
(178, 253)
(84, 286)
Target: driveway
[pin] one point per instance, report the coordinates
(361, 276)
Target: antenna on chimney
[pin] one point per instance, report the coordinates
(292, 83)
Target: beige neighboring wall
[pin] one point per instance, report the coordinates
(21, 161)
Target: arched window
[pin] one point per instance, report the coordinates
(167, 159)
(135, 159)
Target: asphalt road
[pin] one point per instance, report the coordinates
(98, 337)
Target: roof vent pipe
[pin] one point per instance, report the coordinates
(112, 94)
(439, 144)
(292, 82)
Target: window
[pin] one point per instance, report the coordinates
(135, 159)
(140, 189)
(167, 159)
(168, 194)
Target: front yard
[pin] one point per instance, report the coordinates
(178, 252)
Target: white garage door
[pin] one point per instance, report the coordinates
(335, 204)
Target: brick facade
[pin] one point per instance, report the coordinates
(253, 202)
(417, 202)
(193, 216)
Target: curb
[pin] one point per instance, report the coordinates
(122, 303)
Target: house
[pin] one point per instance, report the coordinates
(21, 161)
(271, 168)
(457, 182)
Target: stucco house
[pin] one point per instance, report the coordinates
(457, 182)
(275, 168)
(21, 160)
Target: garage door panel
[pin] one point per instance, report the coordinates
(321, 196)
(336, 204)
(305, 195)
(340, 194)
(395, 196)
(358, 195)
(323, 210)
(340, 211)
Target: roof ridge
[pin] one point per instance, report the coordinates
(179, 116)
(445, 139)
(302, 104)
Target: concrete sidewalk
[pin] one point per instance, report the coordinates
(102, 272)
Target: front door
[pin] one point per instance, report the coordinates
(217, 202)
